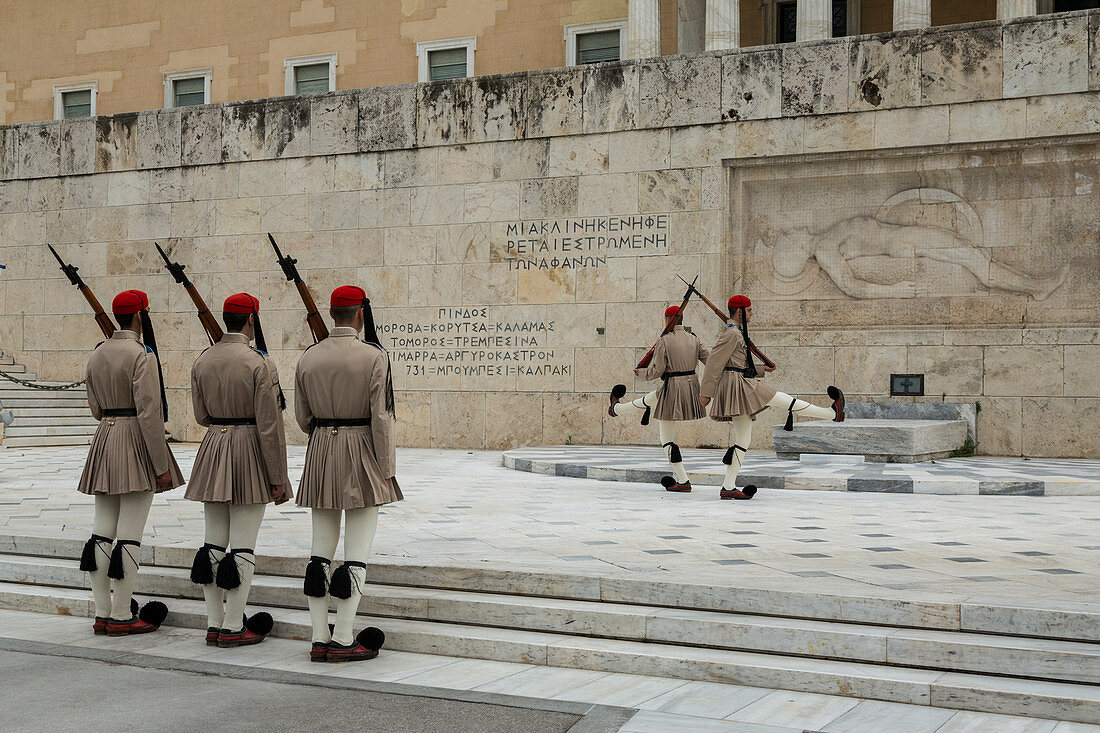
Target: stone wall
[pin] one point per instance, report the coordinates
(894, 203)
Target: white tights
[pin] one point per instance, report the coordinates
(359, 528)
(742, 431)
(667, 429)
(235, 527)
(118, 516)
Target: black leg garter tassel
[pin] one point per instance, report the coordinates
(202, 568)
(789, 425)
(87, 558)
(342, 580)
(229, 577)
(316, 580)
(117, 570)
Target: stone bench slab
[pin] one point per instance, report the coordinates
(881, 440)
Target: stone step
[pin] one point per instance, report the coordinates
(884, 440)
(1063, 701)
(925, 649)
(1066, 621)
(32, 418)
(12, 368)
(45, 442)
(16, 392)
(35, 402)
(72, 411)
(21, 430)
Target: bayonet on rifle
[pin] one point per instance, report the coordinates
(313, 317)
(671, 322)
(725, 318)
(101, 318)
(209, 323)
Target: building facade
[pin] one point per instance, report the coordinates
(922, 202)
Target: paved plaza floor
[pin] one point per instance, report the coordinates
(464, 508)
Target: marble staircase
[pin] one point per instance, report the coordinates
(1033, 659)
(42, 417)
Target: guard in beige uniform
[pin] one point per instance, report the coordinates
(735, 394)
(128, 462)
(343, 399)
(675, 357)
(239, 469)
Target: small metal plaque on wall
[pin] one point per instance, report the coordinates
(906, 385)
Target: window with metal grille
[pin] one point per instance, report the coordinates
(188, 92)
(447, 63)
(600, 46)
(787, 14)
(840, 18)
(311, 79)
(1064, 6)
(77, 104)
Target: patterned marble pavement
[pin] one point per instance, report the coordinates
(977, 475)
(465, 509)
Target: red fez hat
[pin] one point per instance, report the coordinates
(241, 303)
(346, 295)
(671, 311)
(739, 301)
(130, 301)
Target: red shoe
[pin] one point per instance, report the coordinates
(743, 494)
(838, 403)
(318, 652)
(133, 626)
(99, 626)
(244, 637)
(354, 652)
(670, 484)
(617, 393)
(212, 635)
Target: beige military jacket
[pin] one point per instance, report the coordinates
(678, 398)
(733, 393)
(346, 467)
(237, 463)
(127, 452)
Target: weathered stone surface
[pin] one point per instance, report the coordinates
(815, 78)
(639, 150)
(7, 153)
(884, 71)
(1058, 426)
(1046, 56)
(498, 107)
(831, 133)
(1094, 50)
(895, 128)
(38, 150)
(669, 190)
(244, 132)
(443, 113)
(612, 97)
(78, 146)
(158, 138)
(555, 103)
(578, 155)
(286, 127)
(201, 135)
(116, 142)
(388, 117)
(334, 123)
(549, 197)
(961, 66)
(752, 85)
(916, 411)
(886, 440)
(978, 121)
(1022, 370)
(680, 90)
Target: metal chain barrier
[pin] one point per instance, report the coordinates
(43, 387)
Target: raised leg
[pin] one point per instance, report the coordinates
(800, 408)
(637, 406)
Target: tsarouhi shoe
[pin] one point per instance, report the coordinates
(318, 652)
(212, 635)
(99, 623)
(256, 628)
(617, 393)
(353, 652)
(744, 494)
(671, 484)
(838, 403)
(149, 619)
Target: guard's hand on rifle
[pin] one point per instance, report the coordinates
(769, 368)
(164, 480)
(704, 401)
(278, 492)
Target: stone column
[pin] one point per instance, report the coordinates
(1009, 9)
(814, 20)
(910, 14)
(723, 29)
(643, 29)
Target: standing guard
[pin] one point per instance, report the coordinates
(730, 381)
(239, 468)
(343, 399)
(677, 400)
(129, 461)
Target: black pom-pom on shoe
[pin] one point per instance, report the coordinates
(153, 613)
(260, 623)
(371, 637)
(617, 393)
(133, 607)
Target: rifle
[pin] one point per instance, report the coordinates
(101, 318)
(313, 318)
(671, 323)
(725, 319)
(213, 330)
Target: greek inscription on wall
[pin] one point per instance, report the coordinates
(552, 244)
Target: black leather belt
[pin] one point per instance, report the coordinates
(232, 421)
(341, 422)
(119, 412)
(669, 375)
(737, 369)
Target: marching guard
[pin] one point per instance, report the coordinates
(343, 399)
(129, 461)
(239, 469)
(674, 361)
(736, 395)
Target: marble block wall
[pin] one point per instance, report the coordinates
(521, 234)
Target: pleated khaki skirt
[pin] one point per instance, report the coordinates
(341, 471)
(738, 395)
(229, 468)
(118, 461)
(678, 399)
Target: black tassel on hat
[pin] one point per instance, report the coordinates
(202, 568)
(750, 365)
(789, 425)
(340, 587)
(316, 578)
(150, 340)
(88, 562)
(261, 346)
(370, 335)
(117, 570)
